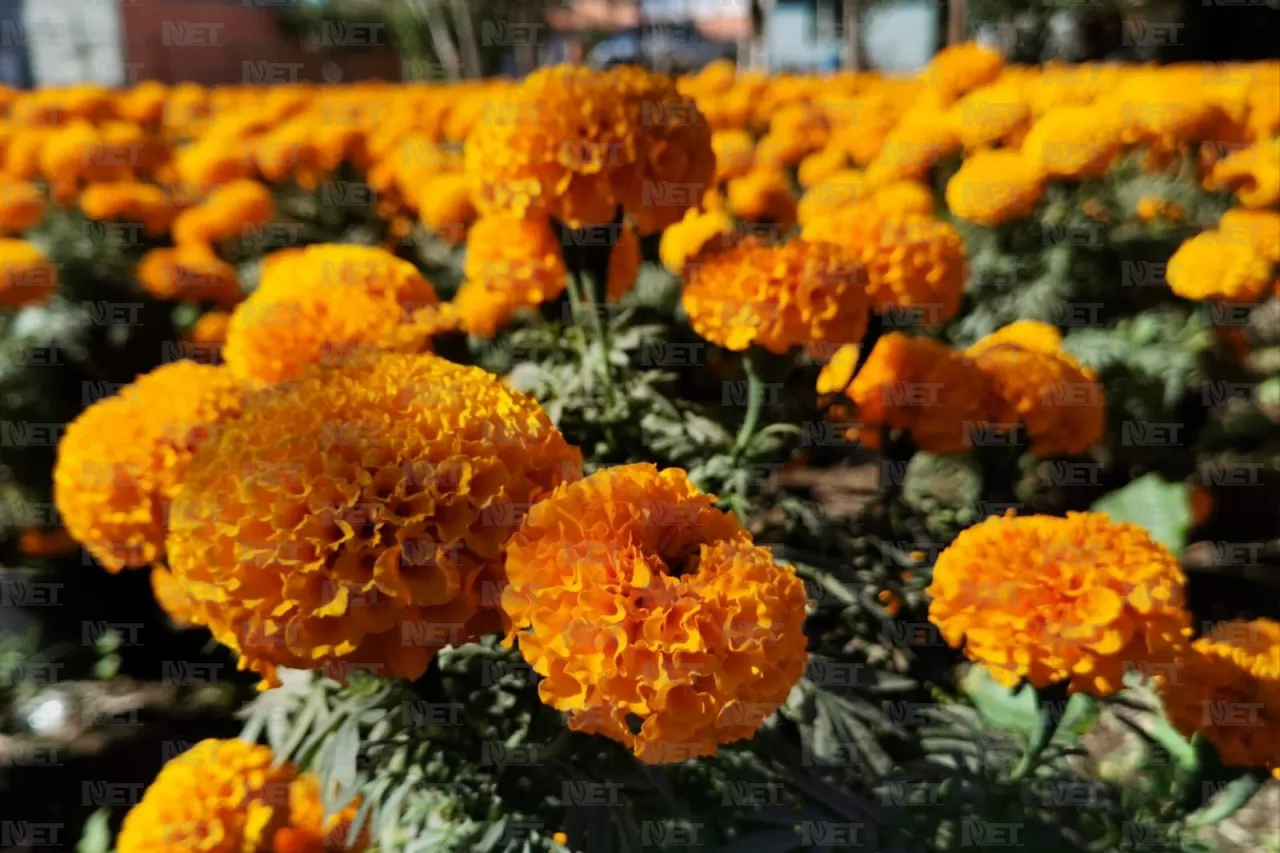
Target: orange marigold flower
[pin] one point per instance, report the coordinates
(1260, 228)
(911, 261)
(1058, 400)
(994, 187)
(216, 159)
(322, 302)
(209, 328)
(902, 197)
(689, 236)
(1234, 669)
(1034, 335)
(913, 147)
(171, 597)
(220, 796)
(762, 195)
(129, 201)
(225, 796)
(820, 165)
(1073, 142)
(934, 394)
(233, 210)
(835, 192)
(445, 206)
(579, 144)
(956, 69)
(21, 205)
(651, 616)
(991, 114)
(777, 297)
(27, 277)
(512, 263)
(1047, 600)
(357, 517)
(1217, 265)
(121, 461)
(734, 152)
(190, 273)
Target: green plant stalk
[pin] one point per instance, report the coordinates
(1049, 700)
(755, 402)
(1235, 797)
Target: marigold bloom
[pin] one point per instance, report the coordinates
(21, 205)
(911, 261)
(1047, 600)
(777, 297)
(231, 211)
(762, 195)
(209, 328)
(1260, 228)
(224, 796)
(991, 114)
(936, 395)
(958, 68)
(579, 144)
(445, 206)
(511, 263)
(26, 276)
(121, 461)
(689, 236)
(322, 302)
(216, 159)
(913, 147)
(1060, 402)
(1034, 335)
(190, 273)
(1236, 666)
(129, 201)
(220, 796)
(735, 153)
(820, 165)
(651, 616)
(902, 197)
(994, 187)
(171, 597)
(358, 515)
(1214, 265)
(1073, 142)
(834, 192)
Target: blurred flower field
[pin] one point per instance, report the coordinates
(605, 461)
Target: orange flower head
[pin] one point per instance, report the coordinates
(899, 198)
(734, 152)
(994, 187)
(121, 461)
(229, 796)
(356, 518)
(833, 193)
(21, 205)
(959, 68)
(1220, 265)
(233, 210)
(1074, 142)
(27, 277)
(134, 202)
(1227, 688)
(777, 297)
(1044, 599)
(579, 144)
(189, 273)
(820, 165)
(934, 394)
(913, 147)
(1034, 335)
(991, 114)
(322, 302)
(444, 205)
(512, 263)
(697, 231)
(1259, 228)
(651, 616)
(1060, 403)
(913, 262)
(763, 195)
(210, 328)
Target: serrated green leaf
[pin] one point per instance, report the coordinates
(1163, 508)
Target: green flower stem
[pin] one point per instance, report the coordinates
(1049, 701)
(1234, 797)
(755, 401)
